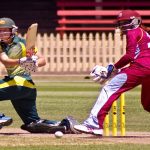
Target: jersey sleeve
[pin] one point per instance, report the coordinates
(132, 38)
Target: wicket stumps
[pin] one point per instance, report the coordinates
(114, 118)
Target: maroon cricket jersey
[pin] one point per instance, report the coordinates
(137, 49)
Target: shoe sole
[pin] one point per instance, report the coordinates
(88, 132)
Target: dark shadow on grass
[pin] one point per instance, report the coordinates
(24, 133)
(27, 133)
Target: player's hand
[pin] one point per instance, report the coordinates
(22, 60)
(111, 70)
(34, 58)
(26, 59)
(29, 63)
(98, 73)
(102, 74)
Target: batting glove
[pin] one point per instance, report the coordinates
(27, 59)
(22, 60)
(29, 63)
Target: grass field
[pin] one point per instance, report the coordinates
(59, 97)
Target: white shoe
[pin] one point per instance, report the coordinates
(98, 132)
(88, 130)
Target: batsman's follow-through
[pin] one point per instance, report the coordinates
(114, 118)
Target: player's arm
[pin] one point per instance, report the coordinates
(8, 61)
(12, 62)
(124, 60)
(41, 60)
(130, 50)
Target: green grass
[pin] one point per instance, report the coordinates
(59, 97)
(83, 147)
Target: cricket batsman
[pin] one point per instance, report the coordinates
(18, 86)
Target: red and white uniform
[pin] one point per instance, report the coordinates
(138, 55)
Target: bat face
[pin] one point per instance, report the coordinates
(31, 38)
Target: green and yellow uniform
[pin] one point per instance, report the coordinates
(18, 85)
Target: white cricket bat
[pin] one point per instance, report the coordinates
(31, 36)
(30, 65)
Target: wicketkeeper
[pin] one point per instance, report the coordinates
(137, 57)
(18, 86)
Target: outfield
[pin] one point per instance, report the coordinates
(62, 96)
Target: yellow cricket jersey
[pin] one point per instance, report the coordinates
(15, 50)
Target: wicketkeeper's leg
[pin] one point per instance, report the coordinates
(145, 94)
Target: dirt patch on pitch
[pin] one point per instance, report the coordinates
(21, 137)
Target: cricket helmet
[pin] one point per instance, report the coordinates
(128, 20)
(8, 23)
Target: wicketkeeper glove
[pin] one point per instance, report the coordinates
(98, 73)
(111, 71)
(29, 64)
(102, 74)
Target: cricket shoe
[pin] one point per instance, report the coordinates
(5, 121)
(89, 130)
(43, 126)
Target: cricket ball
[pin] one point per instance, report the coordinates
(58, 134)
